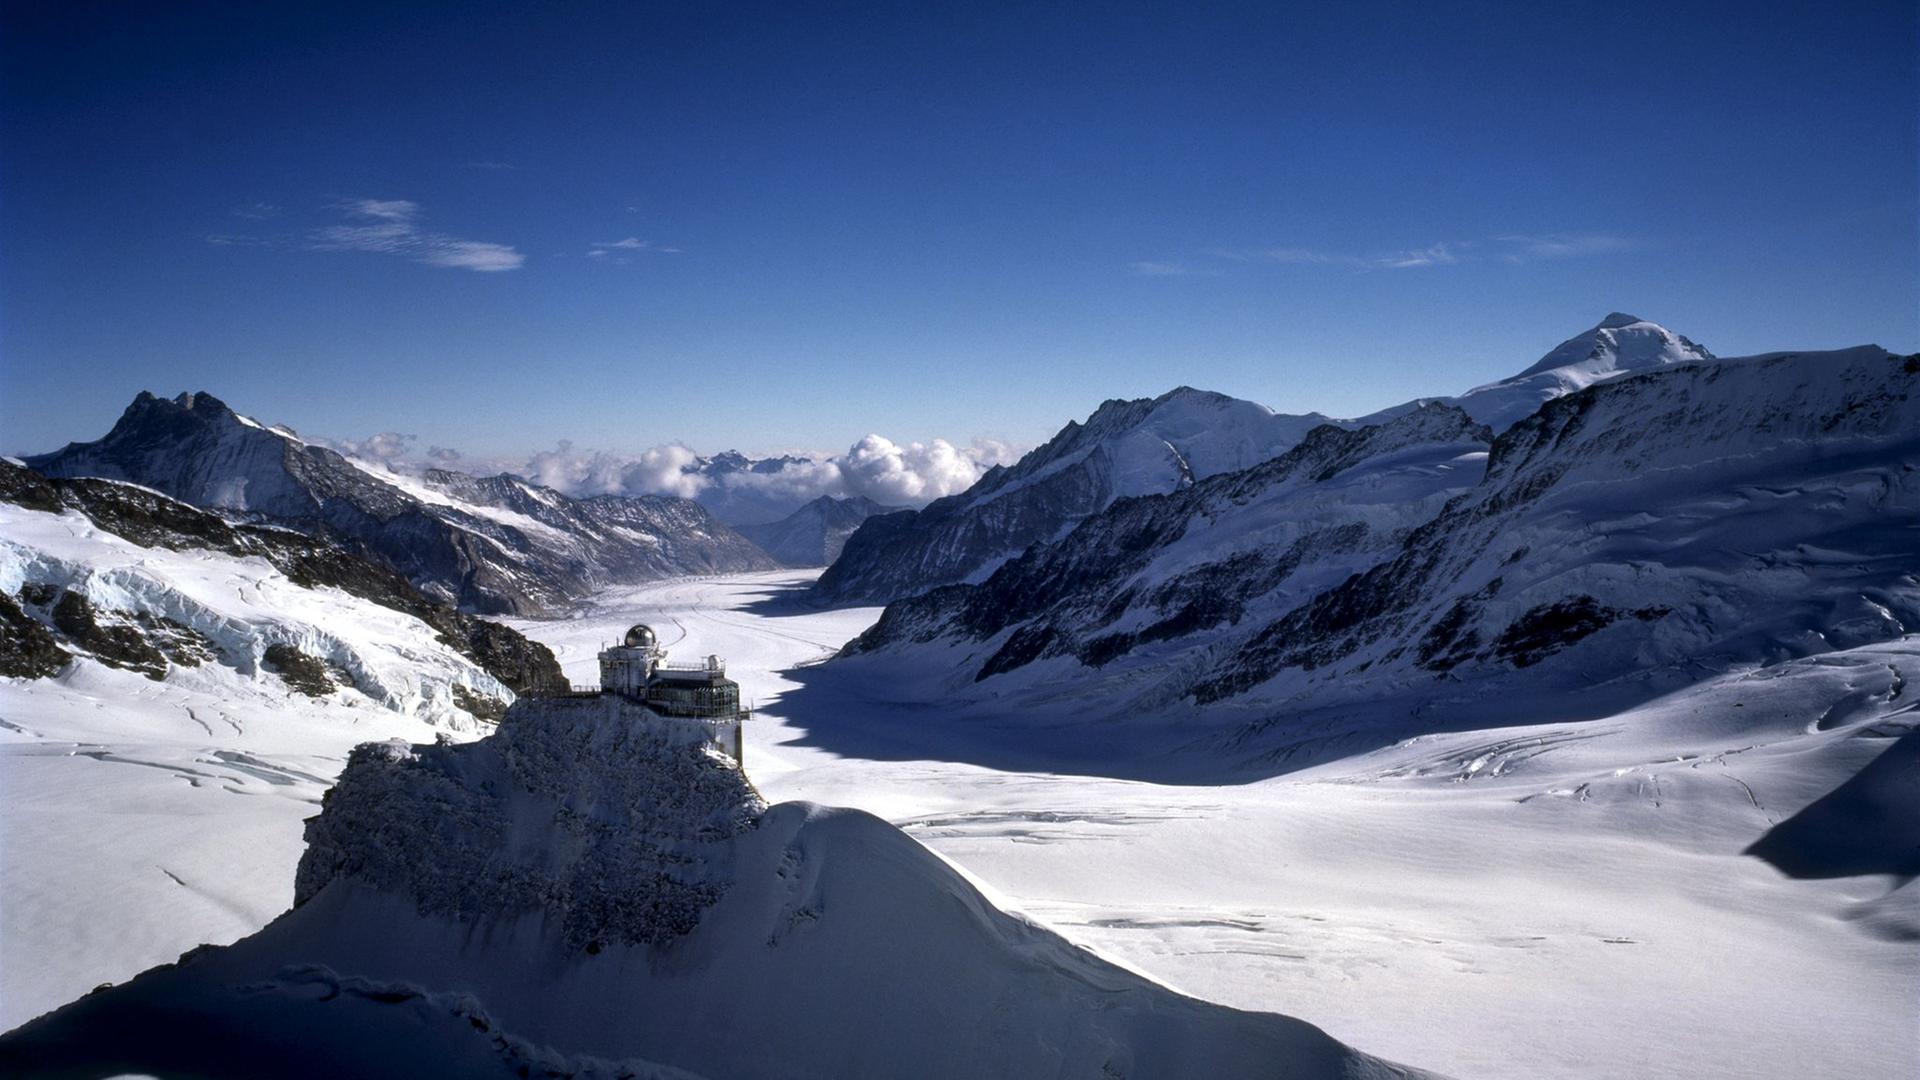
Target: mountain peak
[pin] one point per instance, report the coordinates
(198, 402)
(1620, 342)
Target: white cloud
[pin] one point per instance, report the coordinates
(1514, 248)
(1523, 248)
(473, 255)
(383, 209)
(386, 446)
(627, 246)
(1432, 255)
(391, 227)
(1161, 268)
(876, 467)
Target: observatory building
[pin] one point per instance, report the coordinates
(637, 668)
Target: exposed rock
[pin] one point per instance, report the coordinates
(28, 650)
(627, 865)
(114, 643)
(483, 708)
(305, 674)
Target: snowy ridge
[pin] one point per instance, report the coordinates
(1692, 517)
(1125, 448)
(1151, 447)
(236, 609)
(676, 922)
(497, 544)
(1620, 344)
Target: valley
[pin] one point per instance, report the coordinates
(1558, 900)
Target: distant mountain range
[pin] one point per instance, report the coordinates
(1660, 513)
(814, 534)
(488, 544)
(1151, 447)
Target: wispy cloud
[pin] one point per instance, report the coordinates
(623, 249)
(1438, 254)
(1526, 248)
(392, 227)
(1512, 248)
(257, 211)
(1162, 268)
(491, 166)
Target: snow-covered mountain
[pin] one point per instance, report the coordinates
(745, 490)
(1144, 447)
(134, 580)
(497, 544)
(814, 534)
(592, 892)
(1624, 538)
(1141, 447)
(1619, 345)
(176, 694)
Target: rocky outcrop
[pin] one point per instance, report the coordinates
(635, 809)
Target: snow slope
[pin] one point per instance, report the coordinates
(590, 886)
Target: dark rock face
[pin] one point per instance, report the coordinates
(479, 706)
(493, 544)
(630, 807)
(302, 673)
(116, 644)
(28, 650)
(1547, 629)
(153, 520)
(815, 534)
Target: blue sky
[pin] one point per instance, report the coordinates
(498, 226)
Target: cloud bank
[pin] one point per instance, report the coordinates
(875, 467)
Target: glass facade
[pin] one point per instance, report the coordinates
(718, 699)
